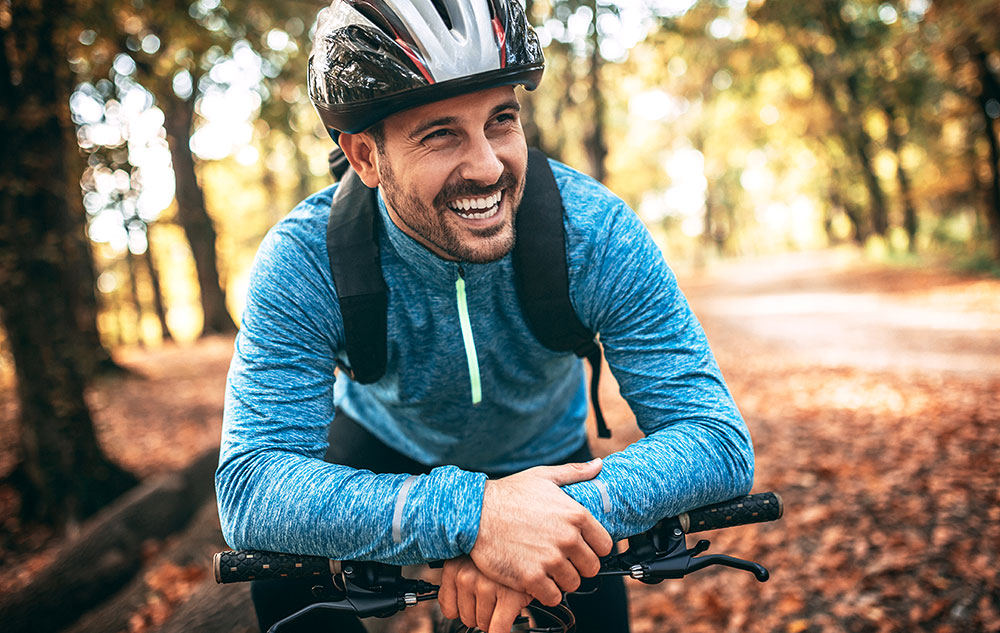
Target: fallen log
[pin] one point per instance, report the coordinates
(108, 550)
(134, 605)
(214, 608)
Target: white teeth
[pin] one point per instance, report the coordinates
(485, 214)
(491, 204)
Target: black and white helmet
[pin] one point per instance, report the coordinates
(372, 58)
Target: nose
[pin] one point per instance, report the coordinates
(481, 163)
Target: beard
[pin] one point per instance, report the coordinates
(439, 226)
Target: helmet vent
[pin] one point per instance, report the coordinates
(443, 12)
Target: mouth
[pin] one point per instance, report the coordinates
(477, 208)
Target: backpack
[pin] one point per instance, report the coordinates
(540, 271)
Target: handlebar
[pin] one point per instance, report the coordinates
(378, 589)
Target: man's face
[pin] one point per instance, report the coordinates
(452, 173)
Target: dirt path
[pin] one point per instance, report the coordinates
(822, 309)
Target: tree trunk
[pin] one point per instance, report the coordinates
(876, 197)
(192, 214)
(83, 280)
(597, 147)
(905, 189)
(154, 280)
(532, 133)
(65, 474)
(133, 279)
(852, 212)
(557, 147)
(849, 129)
(991, 91)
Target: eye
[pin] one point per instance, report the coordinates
(503, 122)
(437, 134)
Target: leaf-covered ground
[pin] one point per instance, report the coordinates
(882, 435)
(889, 471)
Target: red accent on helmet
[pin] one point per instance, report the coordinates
(416, 60)
(501, 41)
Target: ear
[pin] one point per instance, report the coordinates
(361, 154)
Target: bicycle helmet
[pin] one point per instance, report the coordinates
(373, 58)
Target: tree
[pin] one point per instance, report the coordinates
(966, 40)
(63, 475)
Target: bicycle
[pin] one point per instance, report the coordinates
(372, 589)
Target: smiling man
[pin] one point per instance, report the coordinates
(453, 182)
(456, 429)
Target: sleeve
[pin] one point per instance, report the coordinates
(274, 490)
(697, 448)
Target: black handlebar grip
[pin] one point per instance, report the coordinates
(246, 565)
(765, 506)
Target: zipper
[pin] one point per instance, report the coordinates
(470, 343)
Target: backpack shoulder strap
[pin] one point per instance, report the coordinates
(352, 246)
(542, 275)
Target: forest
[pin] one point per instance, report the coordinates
(822, 175)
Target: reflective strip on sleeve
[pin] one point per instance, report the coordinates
(605, 497)
(397, 514)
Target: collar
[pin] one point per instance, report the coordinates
(424, 263)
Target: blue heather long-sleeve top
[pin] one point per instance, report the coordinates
(275, 491)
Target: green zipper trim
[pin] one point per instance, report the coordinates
(470, 344)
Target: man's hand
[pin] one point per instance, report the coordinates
(535, 538)
(467, 594)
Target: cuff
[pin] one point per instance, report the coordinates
(445, 507)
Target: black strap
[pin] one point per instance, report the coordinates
(352, 246)
(542, 275)
(338, 163)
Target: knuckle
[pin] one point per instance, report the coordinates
(536, 578)
(465, 576)
(565, 541)
(578, 516)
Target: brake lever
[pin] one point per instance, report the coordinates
(680, 563)
(759, 571)
(662, 553)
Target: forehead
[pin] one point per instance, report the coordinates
(472, 108)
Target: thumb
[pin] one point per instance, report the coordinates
(565, 474)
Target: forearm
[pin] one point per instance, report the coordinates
(685, 466)
(280, 501)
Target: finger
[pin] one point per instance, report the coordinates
(545, 590)
(596, 536)
(583, 559)
(486, 601)
(466, 602)
(447, 596)
(508, 607)
(565, 576)
(566, 474)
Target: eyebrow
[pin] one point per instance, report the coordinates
(451, 120)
